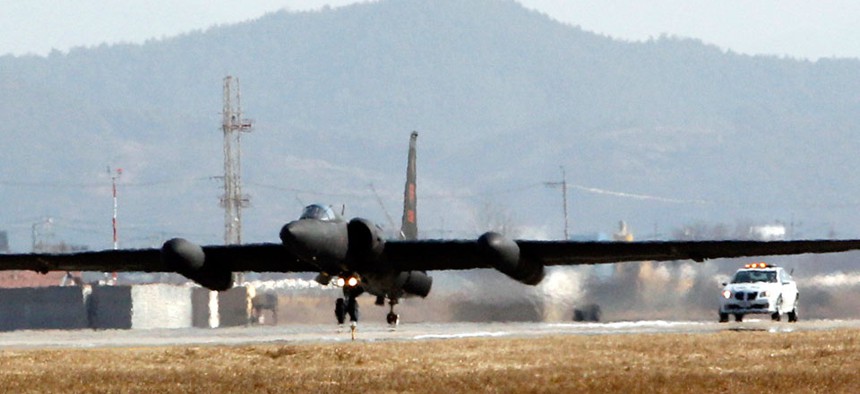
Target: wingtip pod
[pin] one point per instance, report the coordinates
(189, 259)
(504, 254)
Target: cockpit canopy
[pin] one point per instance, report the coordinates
(319, 212)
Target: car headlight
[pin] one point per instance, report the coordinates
(763, 294)
(727, 294)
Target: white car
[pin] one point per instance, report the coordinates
(759, 288)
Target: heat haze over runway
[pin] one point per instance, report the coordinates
(317, 334)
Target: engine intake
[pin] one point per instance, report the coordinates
(504, 254)
(189, 259)
(365, 240)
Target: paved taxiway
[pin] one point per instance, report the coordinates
(373, 332)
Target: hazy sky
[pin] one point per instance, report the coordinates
(798, 28)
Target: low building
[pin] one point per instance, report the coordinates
(4, 242)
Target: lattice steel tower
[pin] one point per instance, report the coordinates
(233, 126)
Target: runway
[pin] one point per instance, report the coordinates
(374, 332)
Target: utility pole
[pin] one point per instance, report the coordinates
(563, 185)
(233, 126)
(113, 177)
(112, 280)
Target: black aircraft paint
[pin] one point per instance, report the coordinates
(409, 228)
(323, 242)
(352, 251)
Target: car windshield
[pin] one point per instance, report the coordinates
(750, 276)
(319, 212)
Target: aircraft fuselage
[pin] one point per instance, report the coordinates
(351, 250)
(325, 244)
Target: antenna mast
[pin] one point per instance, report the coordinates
(382, 205)
(233, 125)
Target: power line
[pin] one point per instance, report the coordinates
(563, 185)
(311, 192)
(87, 185)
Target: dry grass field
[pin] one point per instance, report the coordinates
(823, 361)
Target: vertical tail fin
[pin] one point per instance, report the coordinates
(409, 227)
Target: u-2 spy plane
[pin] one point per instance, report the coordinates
(355, 254)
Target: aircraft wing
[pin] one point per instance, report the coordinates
(425, 255)
(462, 255)
(265, 257)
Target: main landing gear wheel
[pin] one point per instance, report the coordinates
(340, 311)
(352, 309)
(392, 318)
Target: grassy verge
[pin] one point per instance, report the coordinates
(824, 361)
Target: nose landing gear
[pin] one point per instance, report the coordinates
(342, 308)
(348, 306)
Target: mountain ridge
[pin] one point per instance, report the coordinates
(502, 97)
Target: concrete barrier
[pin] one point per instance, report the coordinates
(161, 306)
(140, 307)
(130, 307)
(204, 308)
(109, 307)
(235, 306)
(42, 308)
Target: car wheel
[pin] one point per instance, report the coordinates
(777, 316)
(792, 316)
(724, 317)
(739, 317)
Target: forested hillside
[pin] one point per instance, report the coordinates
(501, 96)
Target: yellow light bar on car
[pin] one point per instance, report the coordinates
(757, 265)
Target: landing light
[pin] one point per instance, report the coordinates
(352, 281)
